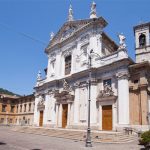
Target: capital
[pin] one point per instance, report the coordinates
(122, 75)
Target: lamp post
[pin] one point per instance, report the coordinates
(88, 137)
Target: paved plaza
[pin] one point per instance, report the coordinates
(10, 140)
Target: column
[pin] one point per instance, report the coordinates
(76, 106)
(36, 112)
(100, 117)
(69, 115)
(46, 111)
(93, 113)
(114, 111)
(57, 114)
(58, 65)
(60, 116)
(123, 98)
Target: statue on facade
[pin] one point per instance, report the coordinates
(51, 35)
(122, 39)
(66, 86)
(70, 16)
(93, 11)
(39, 77)
(106, 92)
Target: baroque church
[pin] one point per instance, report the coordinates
(82, 54)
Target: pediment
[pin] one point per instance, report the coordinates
(70, 28)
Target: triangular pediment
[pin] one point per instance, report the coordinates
(71, 27)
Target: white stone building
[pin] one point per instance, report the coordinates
(61, 98)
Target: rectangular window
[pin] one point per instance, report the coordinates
(12, 109)
(17, 109)
(29, 107)
(107, 82)
(2, 120)
(4, 108)
(10, 121)
(20, 108)
(25, 107)
(67, 65)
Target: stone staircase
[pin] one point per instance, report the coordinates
(79, 135)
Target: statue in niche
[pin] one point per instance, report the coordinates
(122, 39)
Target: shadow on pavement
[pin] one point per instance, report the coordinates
(2, 143)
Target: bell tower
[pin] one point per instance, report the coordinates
(142, 42)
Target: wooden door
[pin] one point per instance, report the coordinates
(64, 115)
(41, 119)
(107, 117)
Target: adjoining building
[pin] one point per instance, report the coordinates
(7, 109)
(139, 83)
(61, 99)
(16, 110)
(25, 110)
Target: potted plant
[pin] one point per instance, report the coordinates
(145, 139)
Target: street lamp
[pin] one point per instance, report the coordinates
(88, 137)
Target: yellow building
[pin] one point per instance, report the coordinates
(16, 110)
(7, 109)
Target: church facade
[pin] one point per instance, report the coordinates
(81, 52)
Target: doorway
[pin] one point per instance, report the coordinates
(41, 119)
(64, 115)
(107, 117)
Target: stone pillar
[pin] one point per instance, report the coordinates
(69, 115)
(36, 112)
(58, 65)
(46, 111)
(144, 104)
(57, 114)
(100, 117)
(76, 106)
(114, 111)
(123, 98)
(60, 116)
(93, 103)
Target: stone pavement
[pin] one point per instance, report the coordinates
(10, 140)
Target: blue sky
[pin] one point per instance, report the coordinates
(21, 57)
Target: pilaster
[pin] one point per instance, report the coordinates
(76, 105)
(123, 98)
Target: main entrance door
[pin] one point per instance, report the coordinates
(107, 117)
(41, 119)
(64, 115)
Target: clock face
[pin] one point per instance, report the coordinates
(68, 32)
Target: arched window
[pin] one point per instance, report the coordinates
(142, 40)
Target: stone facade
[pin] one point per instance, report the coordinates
(61, 98)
